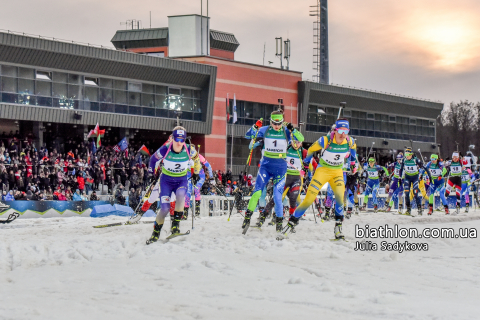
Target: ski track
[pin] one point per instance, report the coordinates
(62, 268)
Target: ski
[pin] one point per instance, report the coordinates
(285, 232)
(338, 239)
(122, 224)
(174, 235)
(11, 218)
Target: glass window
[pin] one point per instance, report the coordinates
(384, 117)
(370, 125)
(355, 123)
(378, 116)
(347, 113)
(392, 119)
(258, 110)
(74, 79)
(148, 100)
(197, 106)
(174, 102)
(59, 90)
(75, 92)
(150, 112)
(120, 97)
(413, 121)
(26, 73)
(175, 91)
(405, 128)
(44, 101)
(362, 124)
(268, 110)
(43, 75)
(321, 110)
(135, 87)
(362, 115)
(312, 118)
(91, 81)
(9, 84)
(148, 88)
(135, 110)
(385, 126)
(187, 93)
(355, 114)
(107, 107)
(9, 71)
(120, 85)
(412, 130)
(161, 90)
(134, 98)
(432, 123)
(43, 88)
(187, 104)
(197, 94)
(121, 109)
(105, 83)
(160, 102)
(378, 125)
(9, 97)
(60, 77)
(91, 93)
(25, 86)
(312, 109)
(106, 95)
(248, 109)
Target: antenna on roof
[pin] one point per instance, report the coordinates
(131, 24)
(264, 44)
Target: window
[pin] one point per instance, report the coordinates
(413, 121)
(43, 88)
(134, 87)
(9, 71)
(432, 123)
(370, 116)
(26, 73)
(74, 79)
(91, 81)
(159, 54)
(105, 83)
(60, 77)
(43, 75)
(392, 119)
(347, 113)
(174, 91)
(9, 84)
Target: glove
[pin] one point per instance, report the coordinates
(258, 124)
(195, 178)
(306, 166)
(290, 126)
(213, 182)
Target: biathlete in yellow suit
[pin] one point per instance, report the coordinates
(336, 147)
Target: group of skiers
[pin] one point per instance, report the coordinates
(180, 171)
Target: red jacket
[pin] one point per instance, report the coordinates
(81, 183)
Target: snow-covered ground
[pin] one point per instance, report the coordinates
(62, 268)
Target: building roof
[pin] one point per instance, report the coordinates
(158, 37)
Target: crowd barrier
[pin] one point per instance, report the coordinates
(209, 206)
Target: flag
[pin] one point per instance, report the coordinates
(97, 133)
(143, 150)
(234, 109)
(227, 107)
(116, 148)
(123, 144)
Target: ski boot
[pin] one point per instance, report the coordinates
(364, 207)
(139, 212)
(327, 213)
(185, 213)
(320, 211)
(430, 210)
(338, 230)
(246, 221)
(279, 224)
(156, 233)
(466, 207)
(292, 223)
(197, 208)
(446, 210)
(420, 211)
(389, 208)
(261, 218)
(409, 211)
(457, 209)
(400, 209)
(175, 226)
(375, 207)
(348, 215)
(356, 209)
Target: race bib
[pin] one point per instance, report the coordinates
(276, 145)
(435, 172)
(333, 159)
(373, 174)
(411, 169)
(175, 167)
(456, 169)
(294, 162)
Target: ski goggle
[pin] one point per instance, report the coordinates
(408, 154)
(276, 119)
(433, 157)
(371, 160)
(343, 131)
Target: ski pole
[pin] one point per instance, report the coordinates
(343, 105)
(373, 142)
(421, 155)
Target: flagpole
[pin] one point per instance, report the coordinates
(226, 135)
(231, 153)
